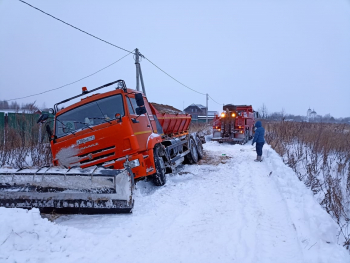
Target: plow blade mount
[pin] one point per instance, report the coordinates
(68, 191)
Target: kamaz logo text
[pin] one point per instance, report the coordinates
(87, 139)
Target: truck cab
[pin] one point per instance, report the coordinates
(105, 130)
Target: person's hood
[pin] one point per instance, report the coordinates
(258, 124)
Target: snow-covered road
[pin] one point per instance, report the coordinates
(225, 209)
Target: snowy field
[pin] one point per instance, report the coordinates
(225, 209)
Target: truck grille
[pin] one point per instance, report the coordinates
(240, 122)
(97, 151)
(97, 155)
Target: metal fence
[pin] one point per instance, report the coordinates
(23, 125)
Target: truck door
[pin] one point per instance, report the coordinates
(141, 125)
(156, 127)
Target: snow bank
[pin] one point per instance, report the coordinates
(26, 237)
(316, 230)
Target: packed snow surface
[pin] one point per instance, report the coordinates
(227, 208)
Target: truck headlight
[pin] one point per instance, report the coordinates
(132, 164)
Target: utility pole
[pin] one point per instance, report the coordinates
(206, 119)
(139, 72)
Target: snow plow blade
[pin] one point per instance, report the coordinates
(68, 191)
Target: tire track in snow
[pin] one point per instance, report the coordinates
(246, 207)
(275, 238)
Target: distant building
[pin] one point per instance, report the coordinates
(199, 113)
(196, 110)
(308, 113)
(311, 115)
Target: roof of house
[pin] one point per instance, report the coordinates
(200, 106)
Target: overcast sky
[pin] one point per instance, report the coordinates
(288, 54)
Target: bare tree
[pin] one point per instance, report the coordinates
(283, 114)
(263, 112)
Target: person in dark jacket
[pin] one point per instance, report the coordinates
(259, 139)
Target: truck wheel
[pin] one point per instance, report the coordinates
(192, 156)
(159, 177)
(200, 149)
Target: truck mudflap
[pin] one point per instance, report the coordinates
(93, 190)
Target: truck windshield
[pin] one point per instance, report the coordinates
(89, 115)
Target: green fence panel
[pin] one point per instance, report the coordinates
(2, 121)
(2, 128)
(25, 125)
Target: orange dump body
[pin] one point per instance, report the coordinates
(173, 124)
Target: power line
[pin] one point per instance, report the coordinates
(71, 82)
(172, 77)
(108, 65)
(214, 100)
(180, 82)
(75, 27)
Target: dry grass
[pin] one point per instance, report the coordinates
(201, 128)
(213, 159)
(23, 145)
(27, 146)
(319, 153)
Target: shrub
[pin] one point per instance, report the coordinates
(319, 154)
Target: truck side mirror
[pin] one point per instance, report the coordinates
(140, 110)
(139, 99)
(42, 118)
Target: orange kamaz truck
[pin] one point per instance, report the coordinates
(100, 145)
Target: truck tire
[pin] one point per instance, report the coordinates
(192, 156)
(159, 177)
(200, 149)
